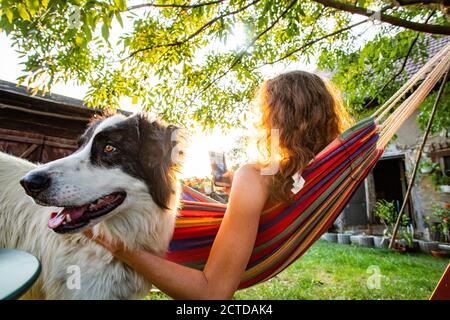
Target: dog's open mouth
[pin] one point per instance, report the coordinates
(71, 219)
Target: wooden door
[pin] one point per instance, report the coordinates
(35, 147)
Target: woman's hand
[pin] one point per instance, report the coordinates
(230, 175)
(115, 247)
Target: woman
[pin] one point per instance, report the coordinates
(308, 114)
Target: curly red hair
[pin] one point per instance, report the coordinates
(308, 113)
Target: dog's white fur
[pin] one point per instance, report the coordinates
(138, 223)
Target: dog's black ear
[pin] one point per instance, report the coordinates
(160, 156)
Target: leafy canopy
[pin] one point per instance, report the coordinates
(182, 59)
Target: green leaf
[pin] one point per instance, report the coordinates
(80, 40)
(87, 32)
(134, 100)
(119, 18)
(90, 18)
(32, 6)
(120, 4)
(44, 3)
(23, 13)
(9, 15)
(105, 31)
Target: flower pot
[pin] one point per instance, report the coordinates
(426, 170)
(331, 237)
(439, 253)
(343, 238)
(445, 188)
(400, 249)
(354, 239)
(366, 241)
(381, 242)
(402, 246)
(427, 246)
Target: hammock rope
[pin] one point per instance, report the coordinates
(417, 162)
(409, 84)
(438, 65)
(286, 231)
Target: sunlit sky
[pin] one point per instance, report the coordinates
(197, 158)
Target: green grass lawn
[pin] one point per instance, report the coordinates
(333, 271)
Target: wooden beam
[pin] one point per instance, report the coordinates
(29, 151)
(38, 141)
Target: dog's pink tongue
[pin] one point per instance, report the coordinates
(77, 212)
(56, 219)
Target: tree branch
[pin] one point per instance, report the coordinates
(314, 41)
(405, 60)
(244, 51)
(196, 33)
(310, 43)
(421, 27)
(174, 5)
(317, 18)
(414, 2)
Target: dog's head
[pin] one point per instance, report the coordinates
(120, 162)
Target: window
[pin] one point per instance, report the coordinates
(446, 165)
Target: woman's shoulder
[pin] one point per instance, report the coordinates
(249, 186)
(248, 169)
(250, 173)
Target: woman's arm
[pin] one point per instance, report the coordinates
(229, 255)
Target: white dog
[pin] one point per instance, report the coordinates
(121, 183)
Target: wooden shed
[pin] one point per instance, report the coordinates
(37, 128)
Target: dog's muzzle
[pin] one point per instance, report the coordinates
(35, 183)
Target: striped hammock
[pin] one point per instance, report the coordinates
(286, 231)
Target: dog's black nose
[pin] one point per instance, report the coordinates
(34, 183)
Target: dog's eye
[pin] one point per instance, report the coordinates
(109, 149)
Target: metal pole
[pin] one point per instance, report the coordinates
(416, 165)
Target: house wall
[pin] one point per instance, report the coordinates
(423, 194)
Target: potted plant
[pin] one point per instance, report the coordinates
(426, 167)
(439, 223)
(440, 181)
(386, 211)
(388, 214)
(407, 239)
(445, 184)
